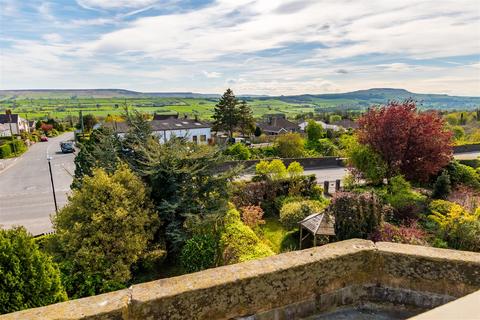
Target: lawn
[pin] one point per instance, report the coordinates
(277, 238)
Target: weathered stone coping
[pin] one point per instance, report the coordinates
(258, 286)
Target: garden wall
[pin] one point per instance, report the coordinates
(307, 163)
(289, 285)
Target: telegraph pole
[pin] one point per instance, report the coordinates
(49, 158)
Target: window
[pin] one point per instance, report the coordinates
(194, 138)
(203, 138)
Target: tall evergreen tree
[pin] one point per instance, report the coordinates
(246, 122)
(226, 113)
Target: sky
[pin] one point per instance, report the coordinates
(252, 46)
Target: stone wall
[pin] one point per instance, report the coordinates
(289, 285)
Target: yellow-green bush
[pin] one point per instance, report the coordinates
(239, 243)
(455, 225)
(293, 212)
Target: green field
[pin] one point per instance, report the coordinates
(203, 108)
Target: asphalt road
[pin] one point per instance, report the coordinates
(26, 196)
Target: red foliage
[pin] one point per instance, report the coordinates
(409, 234)
(46, 127)
(417, 145)
(465, 196)
(252, 215)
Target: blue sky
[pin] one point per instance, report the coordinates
(252, 46)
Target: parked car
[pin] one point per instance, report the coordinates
(67, 147)
(43, 139)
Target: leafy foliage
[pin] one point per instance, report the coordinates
(275, 170)
(356, 214)
(407, 204)
(456, 226)
(199, 253)
(293, 212)
(239, 151)
(314, 131)
(442, 186)
(416, 145)
(408, 234)
(246, 122)
(252, 215)
(226, 113)
(29, 278)
(103, 230)
(290, 145)
(239, 243)
(462, 174)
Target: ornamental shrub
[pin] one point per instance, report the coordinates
(239, 151)
(407, 203)
(252, 215)
(456, 226)
(294, 212)
(357, 215)
(442, 186)
(408, 234)
(28, 277)
(199, 253)
(5, 151)
(238, 242)
(462, 174)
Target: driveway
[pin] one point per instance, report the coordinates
(25, 189)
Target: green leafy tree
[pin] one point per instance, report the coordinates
(290, 145)
(199, 253)
(105, 228)
(100, 151)
(226, 113)
(239, 151)
(314, 131)
(89, 121)
(246, 122)
(28, 277)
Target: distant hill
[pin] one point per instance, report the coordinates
(365, 98)
(348, 100)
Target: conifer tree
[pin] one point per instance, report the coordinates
(226, 113)
(246, 123)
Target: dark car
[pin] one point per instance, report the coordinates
(67, 147)
(43, 139)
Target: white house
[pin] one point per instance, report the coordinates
(324, 125)
(4, 130)
(15, 122)
(190, 129)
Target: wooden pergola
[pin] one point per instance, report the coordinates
(318, 224)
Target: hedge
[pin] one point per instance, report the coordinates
(8, 149)
(5, 151)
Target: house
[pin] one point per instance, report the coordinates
(4, 130)
(277, 124)
(15, 122)
(347, 124)
(172, 127)
(324, 125)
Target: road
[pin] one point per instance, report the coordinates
(25, 189)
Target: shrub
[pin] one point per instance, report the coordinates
(290, 145)
(29, 278)
(295, 169)
(274, 169)
(103, 230)
(454, 225)
(239, 151)
(366, 162)
(467, 197)
(199, 253)
(409, 234)
(5, 151)
(442, 186)
(293, 212)
(239, 243)
(252, 215)
(462, 174)
(357, 215)
(407, 204)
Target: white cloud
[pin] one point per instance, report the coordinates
(52, 37)
(114, 4)
(212, 74)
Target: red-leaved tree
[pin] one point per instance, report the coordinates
(415, 144)
(46, 127)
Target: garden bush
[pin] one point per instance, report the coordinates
(252, 215)
(28, 278)
(462, 174)
(239, 151)
(293, 212)
(357, 215)
(407, 203)
(238, 242)
(5, 151)
(408, 234)
(199, 253)
(442, 186)
(455, 225)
